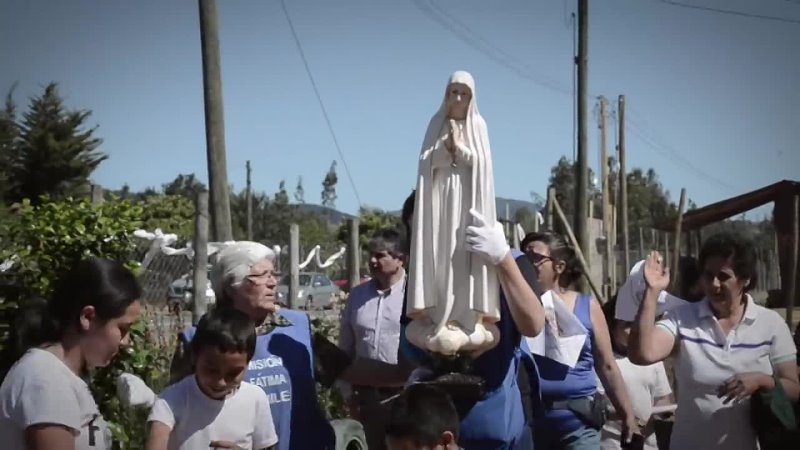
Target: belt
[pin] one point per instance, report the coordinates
(558, 404)
(380, 390)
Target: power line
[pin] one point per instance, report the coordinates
(321, 104)
(730, 12)
(473, 39)
(482, 45)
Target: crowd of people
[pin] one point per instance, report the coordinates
(244, 377)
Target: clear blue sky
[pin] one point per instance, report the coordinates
(712, 98)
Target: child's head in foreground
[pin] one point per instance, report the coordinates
(422, 418)
(222, 347)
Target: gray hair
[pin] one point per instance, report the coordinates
(233, 264)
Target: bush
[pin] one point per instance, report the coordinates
(44, 241)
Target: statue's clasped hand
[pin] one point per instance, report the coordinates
(485, 239)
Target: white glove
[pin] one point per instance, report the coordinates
(132, 391)
(486, 240)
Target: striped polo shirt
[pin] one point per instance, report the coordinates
(706, 358)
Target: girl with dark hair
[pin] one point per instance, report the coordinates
(45, 403)
(573, 410)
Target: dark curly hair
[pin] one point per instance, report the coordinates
(560, 251)
(735, 247)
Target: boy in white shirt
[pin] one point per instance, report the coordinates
(214, 408)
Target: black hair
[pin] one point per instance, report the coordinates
(228, 330)
(560, 251)
(103, 284)
(732, 246)
(406, 216)
(388, 240)
(422, 413)
(689, 276)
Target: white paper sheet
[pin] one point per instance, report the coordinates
(563, 336)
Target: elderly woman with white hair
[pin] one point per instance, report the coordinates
(243, 277)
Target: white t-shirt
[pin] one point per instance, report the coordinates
(244, 418)
(41, 389)
(644, 385)
(631, 294)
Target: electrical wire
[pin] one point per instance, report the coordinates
(321, 103)
(731, 12)
(471, 38)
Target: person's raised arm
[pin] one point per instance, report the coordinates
(648, 343)
(490, 241)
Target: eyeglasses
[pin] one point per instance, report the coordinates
(538, 259)
(262, 278)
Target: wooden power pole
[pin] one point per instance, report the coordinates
(623, 184)
(354, 254)
(606, 205)
(249, 200)
(582, 164)
(200, 245)
(215, 124)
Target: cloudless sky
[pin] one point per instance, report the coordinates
(712, 99)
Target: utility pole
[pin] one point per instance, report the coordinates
(623, 183)
(582, 164)
(215, 123)
(606, 205)
(249, 200)
(294, 266)
(354, 254)
(200, 245)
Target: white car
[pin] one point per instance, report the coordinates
(181, 292)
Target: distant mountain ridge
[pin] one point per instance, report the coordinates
(335, 217)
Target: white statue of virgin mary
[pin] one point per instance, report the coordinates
(452, 293)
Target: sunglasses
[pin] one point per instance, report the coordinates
(538, 259)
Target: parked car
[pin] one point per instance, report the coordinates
(316, 290)
(343, 282)
(181, 292)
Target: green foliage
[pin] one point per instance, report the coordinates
(330, 400)
(45, 241)
(145, 358)
(171, 213)
(370, 220)
(185, 185)
(50, 151)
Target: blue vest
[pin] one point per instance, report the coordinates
(283, 366)
(559, 382)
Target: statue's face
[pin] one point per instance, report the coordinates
(458, 97)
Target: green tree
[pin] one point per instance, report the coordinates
(329, 187)
(55, 153)
(186, 185)
(299, 191)
(171, 213)
(562, 178)
(370, 220)
(9, 133)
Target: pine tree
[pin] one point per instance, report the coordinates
(299, 192)
(55, 153)
(329, 187)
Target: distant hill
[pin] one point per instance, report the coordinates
(513, 207)
(334, 216)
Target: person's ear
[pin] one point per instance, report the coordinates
(560, 266)
(86, 318)
(447, 440)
